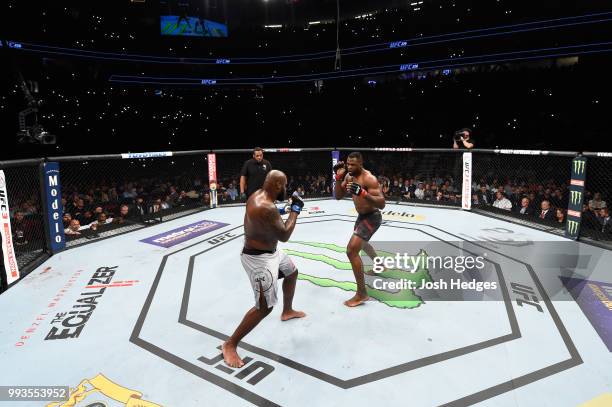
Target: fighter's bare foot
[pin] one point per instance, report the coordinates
(231, 356)
(287, 315)
(356, 300)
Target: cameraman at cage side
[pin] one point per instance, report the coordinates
(253, 173)
(463, 139)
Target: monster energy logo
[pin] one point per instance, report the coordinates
(572, 227)
(579, 166)
(575, 197)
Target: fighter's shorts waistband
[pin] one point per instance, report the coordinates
(369, 213)
(256, 252)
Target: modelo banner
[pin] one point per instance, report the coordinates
(576, 198)
(8, 251)
(53, 193)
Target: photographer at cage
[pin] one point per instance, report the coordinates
(463, 139)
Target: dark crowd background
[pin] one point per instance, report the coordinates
(553, 103)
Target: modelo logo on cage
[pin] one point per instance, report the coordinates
(54, 207)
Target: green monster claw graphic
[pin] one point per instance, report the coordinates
(404, 299)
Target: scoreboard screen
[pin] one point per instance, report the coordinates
(192, 27)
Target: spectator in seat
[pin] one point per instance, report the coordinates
(525, 208)
(395, 188)
(225, 198)
(484, 196)
(156, 206)
(101, 222)
(66, 219)
(386, 190)
(560, 216)
(28, 208)
(434, 189)
(419, 192)
(605, 221)
(406, 191)
(87, 218)
(515, 197)
(123, 215)
(534, 204)
(427, 194)
(449, 187)
(74, 229)
(140, 207)
(232, 191)
(558, 198)
(97, 211)
(546, 213)
(173, 195)
(597, 203)
(79, 210)
(21, 228)
(589, 217)
(502, 202)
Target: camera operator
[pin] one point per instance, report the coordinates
(463, 139)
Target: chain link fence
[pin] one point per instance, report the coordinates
(596, 221)
(418, 176)
(23, 190)
(308, 171)
(529, 187)
(107, 195)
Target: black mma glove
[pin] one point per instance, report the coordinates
(356, 189)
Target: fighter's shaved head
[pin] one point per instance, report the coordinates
(275, 176)
(276, 185)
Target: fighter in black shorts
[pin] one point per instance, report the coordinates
(368, 199)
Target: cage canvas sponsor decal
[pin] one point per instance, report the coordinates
(70, 324)
(397, 215)
(595, 301)
(98, 386)
(184, 233)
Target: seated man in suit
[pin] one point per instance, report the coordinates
(546, 213)
(484, 197)
(525, 207)
(590, 218)
(605, 221)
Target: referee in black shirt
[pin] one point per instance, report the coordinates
(254, 173)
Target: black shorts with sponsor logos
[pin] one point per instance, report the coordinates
(367, 224)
